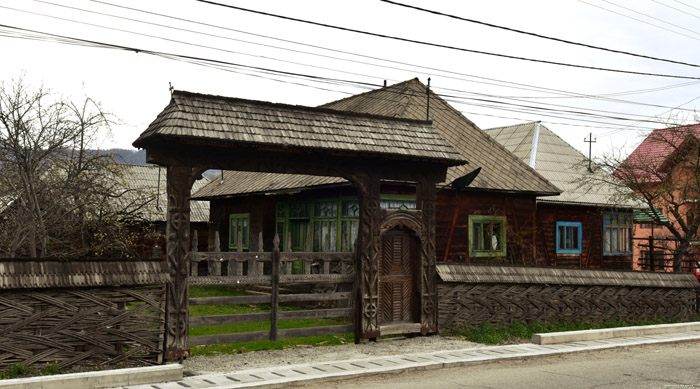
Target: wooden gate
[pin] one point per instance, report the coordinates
(398, 298)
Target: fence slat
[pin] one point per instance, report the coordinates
(228, 319)
(314, 331)
(274, 302)
(228, 338)
(316, 313)
(230, 300)
(290, 298)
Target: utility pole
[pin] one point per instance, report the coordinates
(590, 142)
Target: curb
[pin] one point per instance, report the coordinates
(609, 333)
(99, 379)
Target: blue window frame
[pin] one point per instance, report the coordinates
(617, 233)
(569, 236)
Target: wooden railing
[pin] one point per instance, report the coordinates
(331, 275)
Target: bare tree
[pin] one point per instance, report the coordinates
(58, 197)
(664, 175)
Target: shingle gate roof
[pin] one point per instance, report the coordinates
(227, 120)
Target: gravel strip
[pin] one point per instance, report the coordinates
(304, 354)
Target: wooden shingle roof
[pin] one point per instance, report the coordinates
(460, 272)
(500, 169)
(224, 120)
(46, 273)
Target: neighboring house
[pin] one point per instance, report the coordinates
(485, 211)
(146, 192)
(665, 167)
(584, 226)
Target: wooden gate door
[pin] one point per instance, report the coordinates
(398, 297)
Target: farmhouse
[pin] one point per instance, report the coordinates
(586, 225)
(485, 210)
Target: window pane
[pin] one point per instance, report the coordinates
(351, 208)
(574, 238)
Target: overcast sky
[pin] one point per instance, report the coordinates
(254, 56)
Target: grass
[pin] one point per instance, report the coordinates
(232, 309)
(518, 331)
(19, 370)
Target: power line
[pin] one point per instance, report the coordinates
(560, 40)
(578, 113)
(687, 5)
(652, 17)
(446, 46)
(639, 20)
(677, 9)
(223, 64)
(508, 84)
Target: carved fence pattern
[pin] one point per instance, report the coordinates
(497, 295)
(73, 314)
(325, 289)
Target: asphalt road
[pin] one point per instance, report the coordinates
(657, 366)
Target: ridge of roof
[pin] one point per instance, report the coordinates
(503, 170)
(319, 109)
(565, 166)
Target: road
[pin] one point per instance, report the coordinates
(656, 366)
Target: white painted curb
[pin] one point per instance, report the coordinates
(99, 379)
(609, 333)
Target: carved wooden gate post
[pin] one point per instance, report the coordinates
(177, 230)
(366, 264)
(425, 201)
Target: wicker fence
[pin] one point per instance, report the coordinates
(476, 294)
(82, 313)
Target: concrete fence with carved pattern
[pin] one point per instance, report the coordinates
(93, 313)
(475, 294)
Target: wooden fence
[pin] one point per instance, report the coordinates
(476, 294)
(82, 313)
(326, 281)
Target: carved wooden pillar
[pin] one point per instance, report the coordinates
(425, 201)
(179, 183)
(366, 263)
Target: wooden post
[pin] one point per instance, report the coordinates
(366, 263)
(177, 232)
(309, 249)
(274, 297)
(425, 201)
(288, 263)
(193, 264)
(261, 265)
(214, 266)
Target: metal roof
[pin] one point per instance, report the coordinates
(561, 164)
(192, 116)
(235, 182)
(142, 180)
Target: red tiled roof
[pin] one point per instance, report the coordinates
(649, 160)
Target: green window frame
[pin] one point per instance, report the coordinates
(239, 223)
(334, 221)
(617, 233)
(487, 236)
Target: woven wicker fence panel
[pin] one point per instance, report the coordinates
(475, 304)
(96, 327)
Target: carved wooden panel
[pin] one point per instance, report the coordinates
(179, 184)
(396, 277)
(498, 304)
